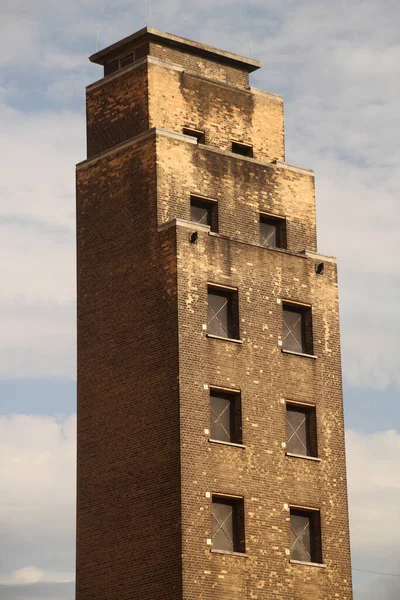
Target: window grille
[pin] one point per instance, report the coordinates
(297, 328)
(228, 524)
(204, 212)
(225, 416)
(272, 231)
(301, 430)
(223, 318)
(305, 535)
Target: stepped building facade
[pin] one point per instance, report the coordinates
(211, 460)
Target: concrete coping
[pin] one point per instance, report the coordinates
(153, 60)
(149, 34)
(318, 256)
(191, 140)
(177, 222)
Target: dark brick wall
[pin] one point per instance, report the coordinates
(129, 532)
(117, 109)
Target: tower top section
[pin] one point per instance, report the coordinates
(138, 42)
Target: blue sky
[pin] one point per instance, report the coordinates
(338, 67)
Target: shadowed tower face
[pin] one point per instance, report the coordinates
(211, 462)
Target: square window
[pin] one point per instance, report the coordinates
(297, 328)
(223, 313)
(243, 149)
(141, 51)
(305, 535)
(225, 416)
(111, 67)
(272, 231)
(301, 430)
(196, 133)
(228, 524)
(204, 211)
(127, 60)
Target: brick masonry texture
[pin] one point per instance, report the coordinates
(117, 110)
(129, 533)
(179, 99)
(145, 462)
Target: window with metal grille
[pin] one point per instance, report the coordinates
(225, 416)
(228, 524)
(297, 328)
(272, 231)
(243, 149)
(301, 430)
(196, 133)
(305, 535)
(204, 211)
(223, 313)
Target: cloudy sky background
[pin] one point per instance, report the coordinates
(338, 67)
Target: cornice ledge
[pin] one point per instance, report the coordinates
(293, 168)
(259, 92)
(317, 256)
(176, 222)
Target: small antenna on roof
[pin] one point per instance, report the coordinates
(97, 40)
(251, 49)
(248, 34)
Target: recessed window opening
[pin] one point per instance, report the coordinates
(272, 231)
(225, 416)
(228, 524)
(204, 212)
(297, 328)
(124, 61)
(243, 149)
(223, 312)
(196, 133)
(301, 429)
(305, 535)
(127, 60)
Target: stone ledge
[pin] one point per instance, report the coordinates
(229, 553)
(303, 354)
(235, 445)
(308, 564)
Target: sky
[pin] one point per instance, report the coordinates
(337, 64)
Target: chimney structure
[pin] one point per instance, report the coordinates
(211, 458)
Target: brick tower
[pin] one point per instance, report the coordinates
(211, 462)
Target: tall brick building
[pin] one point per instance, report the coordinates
(211, 461)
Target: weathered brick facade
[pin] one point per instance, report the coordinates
(146, 467)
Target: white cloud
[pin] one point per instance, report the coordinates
(37, 499)
(33, 575)
(374, 501)
(338, 66)
(37, 247)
